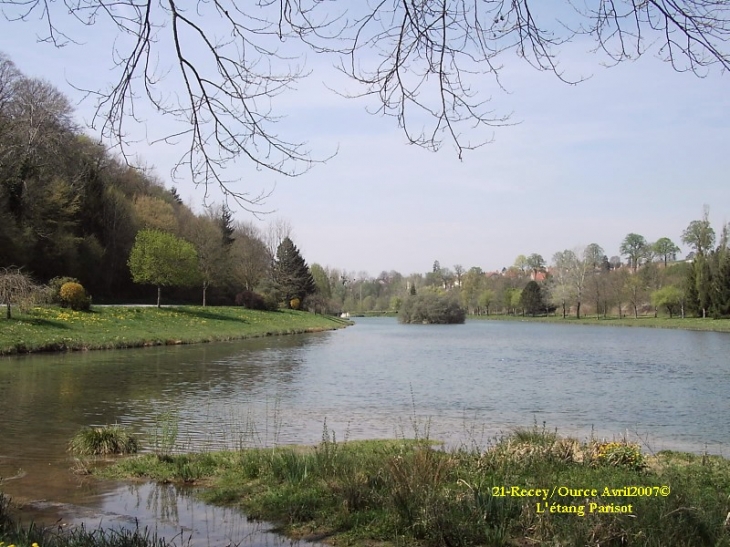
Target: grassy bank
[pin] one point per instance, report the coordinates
(58, 329)
(689, 323)
(531, 488)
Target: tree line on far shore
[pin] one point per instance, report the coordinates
(646, 279)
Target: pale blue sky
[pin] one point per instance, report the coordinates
(635, 148)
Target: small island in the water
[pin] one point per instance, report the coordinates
(431, 308)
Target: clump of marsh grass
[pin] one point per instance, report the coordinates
(165, 434)
(104, 440)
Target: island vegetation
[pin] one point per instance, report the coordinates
(431, 307)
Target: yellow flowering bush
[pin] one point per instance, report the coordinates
(73, 295)
(619, 454)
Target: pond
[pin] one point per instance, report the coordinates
(456, 383)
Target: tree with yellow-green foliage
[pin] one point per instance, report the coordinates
(163, 260)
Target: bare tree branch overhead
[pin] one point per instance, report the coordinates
(430, 64)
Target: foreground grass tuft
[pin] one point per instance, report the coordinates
(530, 488)
(99, 441)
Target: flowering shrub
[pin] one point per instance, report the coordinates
(619, 454)
(54, 289)
(73, 295)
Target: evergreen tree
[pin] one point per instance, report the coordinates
(692, 297)
(531, 299)
(225, 222)
(292, 277)
(175, 196)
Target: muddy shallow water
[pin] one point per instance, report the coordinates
(161, 510)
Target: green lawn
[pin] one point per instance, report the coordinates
(58, 329)
(689, 323)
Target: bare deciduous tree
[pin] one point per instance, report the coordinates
(425, 63)
(16, 288)
(277, 231)
(250, 256)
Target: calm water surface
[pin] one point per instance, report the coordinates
(461, 384)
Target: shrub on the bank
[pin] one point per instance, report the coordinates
(430, 307)
(253, 301)
(73, 295)
(54, 288)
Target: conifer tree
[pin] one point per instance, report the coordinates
(531, 299)
(225, 221)
(691, 295)
(292, 277)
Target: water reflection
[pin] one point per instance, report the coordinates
(224, 395)
(165, 511)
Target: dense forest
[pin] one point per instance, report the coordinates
(69, 208)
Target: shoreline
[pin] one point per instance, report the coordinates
(690, 323)
(56, 330)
